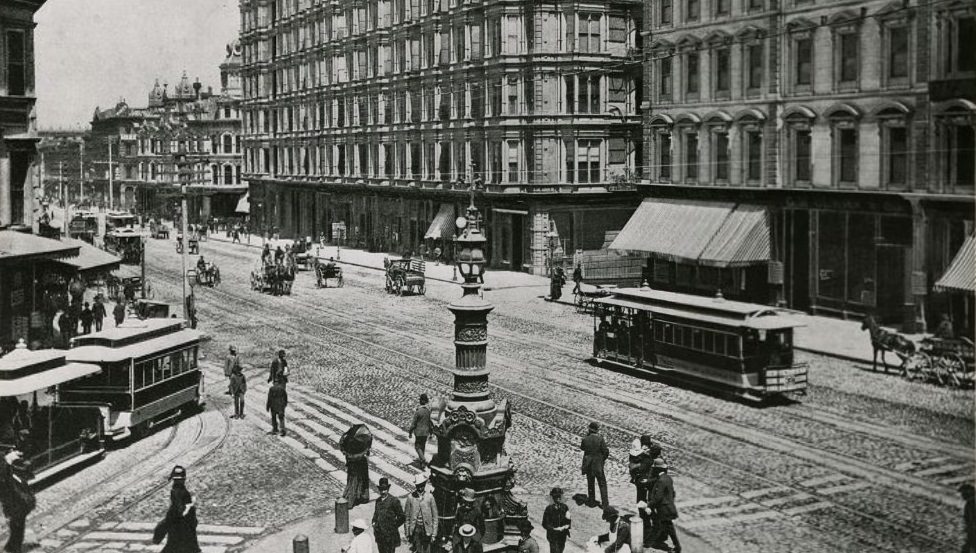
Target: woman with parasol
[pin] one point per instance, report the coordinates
(355, 444)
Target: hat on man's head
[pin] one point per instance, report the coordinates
(384, 483)
(467, 494)
(594, 426)
(466, 530)
(419, 479)
(359, 523)
(526, 526)
(659, 464)
(424, 398)
(556, 492)
(178, 473)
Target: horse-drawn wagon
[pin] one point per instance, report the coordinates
(945, 361)
(275, 278)
(326, 271)
(207, 273)
(405, 275)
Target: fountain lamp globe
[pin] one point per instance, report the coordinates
(471, 251)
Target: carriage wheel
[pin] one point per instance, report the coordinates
(953, 368)
(254, 282)
(917, 366)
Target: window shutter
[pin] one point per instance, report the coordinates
(445, 47)
(617, 151)
(476, 46)
(618, 29)
(570, 31)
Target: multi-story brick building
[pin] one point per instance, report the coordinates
(377, 115)
(19, 171)
(833, 141)
(188, 129)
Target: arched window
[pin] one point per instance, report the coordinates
(845, 147)
(228, 174)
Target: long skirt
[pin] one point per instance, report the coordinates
(357, 482)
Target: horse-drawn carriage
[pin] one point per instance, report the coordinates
(945, 361)
(302, 251)
(275, 278)
(194, 244)
(405, 275)
(158, 231)
(207, 273)
(326, 271)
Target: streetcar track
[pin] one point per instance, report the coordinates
(737, 431)
(725, 467)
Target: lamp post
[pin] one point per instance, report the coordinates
(179, 160)
(470, 425)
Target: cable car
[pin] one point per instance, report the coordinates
(115, 221)
(84, 226)
(149, 374)
(53, 435)
(743, 348)
(126, 243)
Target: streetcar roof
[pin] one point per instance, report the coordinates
(127, 232)
(764, 318)
(139, 350)
(25, 371)
(730, 307)
(129, 332)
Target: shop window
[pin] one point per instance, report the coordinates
(691, 157)
(860, 258)
(831, 237)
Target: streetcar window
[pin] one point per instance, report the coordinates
(668, 334)
(709, 341)
(697, 342)
(720, 343)
(658, 332)
(686, 337)
(732, 345)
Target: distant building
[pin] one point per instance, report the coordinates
(829, 149)
(19, 171)
(367, 122)
(61, 156)
(184, 132)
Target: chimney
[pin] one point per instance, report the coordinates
(196, 88)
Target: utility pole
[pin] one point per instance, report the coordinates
(81, 171)
(64, 201)
(111, 175)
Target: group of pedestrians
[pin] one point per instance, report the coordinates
(277, 394)
(649, 475)
(84, 314)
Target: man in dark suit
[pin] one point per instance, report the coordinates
(179, 527)
(277, 400)
(388, 517)
(279, 368)
(555, 519)
(595, 453)
(16, 499)
(660, 500)
(420, 429)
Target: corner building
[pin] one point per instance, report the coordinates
(367, 121)
(851, 124)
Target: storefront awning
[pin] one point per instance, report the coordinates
(90, 258)
(20, 246)
(961, 274)
(244, 204)
(442, 227)
(720, 234)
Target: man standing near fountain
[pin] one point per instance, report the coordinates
(421, 513)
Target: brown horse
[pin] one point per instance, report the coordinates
(884, 341)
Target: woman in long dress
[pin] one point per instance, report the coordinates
(355, 444)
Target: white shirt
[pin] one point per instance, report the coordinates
(363, 543)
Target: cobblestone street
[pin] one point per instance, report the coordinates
(866, 461)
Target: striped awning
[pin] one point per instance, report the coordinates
(442, 227)
(720, 234)
(961, 274)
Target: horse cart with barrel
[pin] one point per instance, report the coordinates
(405, 275)
(326, 271)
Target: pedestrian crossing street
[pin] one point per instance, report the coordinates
(120, 537)
(315, 422)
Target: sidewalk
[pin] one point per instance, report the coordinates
(823, 335)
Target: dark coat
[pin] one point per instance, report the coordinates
(554, 517)
(421, 425)
(179, 526)
(119, 312)
(474, 546)
(278, 367)
(639, 467)
(388, 517)
(661, 498)
(98, 310)
(277, 398)
(87, 317)
(595, 453)
(16, 497)
(472, 516)
(238, 383)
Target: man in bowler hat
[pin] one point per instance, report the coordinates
(388, 517)
(420, 429)
(179, 526)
